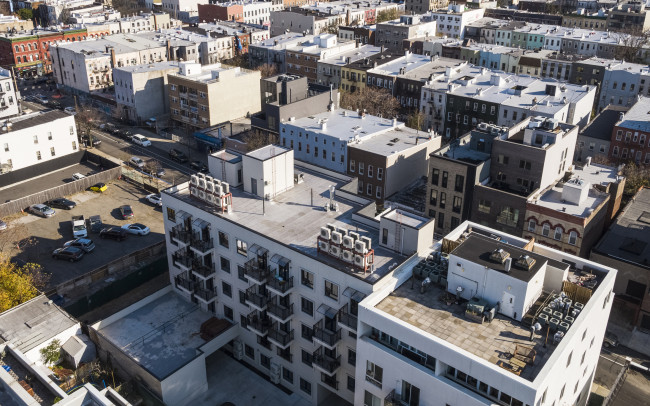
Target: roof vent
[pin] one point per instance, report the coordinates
(525, 262)
(499, 255)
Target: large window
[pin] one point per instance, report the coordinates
(532, 225)
(371, 400)
(546, 229)
(433, 198)
(307, 278)
(558, 233)
(573, 237)
(242, 247)
(445, 177)
(305, 386)
(459, 184)
(484, 206)
(331, 290)
(223, 239)
(410, 394)
(171, 214)
(508, 216)
(225, 264)
(457, 204)
(307, 306)
(374, 374)
(435, 174)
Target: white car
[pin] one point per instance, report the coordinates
(77, 176)
(137, 162)
(154, 199)
(70, 110)
(136, 228)
(140, 140)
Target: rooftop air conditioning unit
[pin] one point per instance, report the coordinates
(218, 190)
(194, 191)
(324, 246)
(360, 247)
(335, 251)
(194, 180)
(337, 237)
(358, 260)
(226, 187)
(348, 242)
(201, 194)
(331, 226)
(355, 236)
(202, 184)
(347, 256)
(325, 233)
(209, 186)
(368, 242)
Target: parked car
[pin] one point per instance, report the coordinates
(95, 224)
(61, 203)
(54, 104)
(122, 133)
(153, 168)
(126, 211)
(72, 254)
(151, 122)
(84, 244)
(140, 140)
(3, 225)
(99, 187)
(70, 110)
(177, 155)
(136, 228)
(96, 141)
(137, 162)
(199, 166)
(610, 340)
(154, 199)
(113, 233)
(42, 210)
(41, 99)
(77, 176)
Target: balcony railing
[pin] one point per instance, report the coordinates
(279, 337)
(348, 320)
(326, 336)
(325, 362)
(280, 312)
(204, 294)
(201, 245)
(330, 381)
(203, 269)
(257, 323)
(182, 260)
(179, 234)
(184, 282)
(256, 299)
(279, 285)
(254, 271)
(392, 399)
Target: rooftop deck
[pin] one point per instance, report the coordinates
(494, 342)
(292, 219)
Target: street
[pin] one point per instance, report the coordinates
(636, 389)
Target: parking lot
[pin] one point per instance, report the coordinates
(48, 234)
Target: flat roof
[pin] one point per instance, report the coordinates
(462, 153)
(151, 67)
(267, 152)
(281, 41)
(36, 118)
(638, 116)
(341, 59)
(291, 219)
(601, 126)
(344, 124)
(162, 335)
(595, 174)
(406, 218)
(392, 141)
(121, 43)
(224, 155)
(415, 66)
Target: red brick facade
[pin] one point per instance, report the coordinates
(629, 145)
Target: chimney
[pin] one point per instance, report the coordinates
(508, 264)
(113, 61)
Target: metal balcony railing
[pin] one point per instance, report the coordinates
(258, 299)
(280, 337)
(348, 320)
(279, 311)
(280, 285)
(183, 259)
(260, 324)
(253, 271)
(178, 233)
(325, 335)
(203, 269)
(201, 245)
(184, 282)
(205, 294)
(326, 362)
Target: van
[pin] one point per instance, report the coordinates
(77, 176)
(140, 140)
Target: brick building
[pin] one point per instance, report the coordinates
(629, 140)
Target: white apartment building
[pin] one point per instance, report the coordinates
(35, 138)
(180, 8)
(8, 95)
(623, 82)
(51, 10)
(463, 338)
(452, 21)
(288, 271)
(87, 65)
(329, 68)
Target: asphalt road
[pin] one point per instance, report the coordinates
(636, 389)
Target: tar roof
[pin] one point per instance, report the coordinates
(341, 59)
(151, 67)
(601, 127)
(628, 239)
(36, 118)
(638, 117)
(414, 66)
(121, 43)
(392, 142)
(344, 124)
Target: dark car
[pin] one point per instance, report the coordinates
(61, 203)
(199, 166)
(114, 233)
(123, 133)
(96, 141)
(177, 155)
(54, 104)
(84, 244)
(95, 224)
(126, 211)
(72, 254)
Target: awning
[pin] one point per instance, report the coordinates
(200, 223)
(327, 311)
(181, 216)
(354, 294)
(257, 250)
(280, 260)
(213, 141)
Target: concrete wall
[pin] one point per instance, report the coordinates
(186, 383)
(243, 96)
(409, 165)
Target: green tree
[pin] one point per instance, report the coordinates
(387, 15)
(25, 13)
(52, 353)
(19, 284)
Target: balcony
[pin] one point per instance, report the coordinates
(182, 260)
(255, 299)
(201, 246)
(280, 338)
(325, 336)
(347, 321)
(256, 273)
(206, 295)
(193, 95)
(258, 323)
(280, 286)
(324, 362)
(184, 282)
(202, 270)
(330, 381)
(279, 312)
(179, 235)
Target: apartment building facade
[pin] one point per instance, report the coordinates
(630, 135)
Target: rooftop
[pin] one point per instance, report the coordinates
(638, 116)
(293, 220)
(593, 174)
(341, 59)
(393, 141)
(211, 73)
(462, 151)
(121, 43)
(613, 64)
(151, 67)
(417, 67)
(36, 118)
(628, 239)
(267, 152)
(161, 336)
(282, 41)
(601, 126)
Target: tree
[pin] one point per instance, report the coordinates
(25, 13)
(52, 353)
(19, 284)
(332, 28)
(387, 15)
(636, 177)
(240, 60)
(267, 70)
(257, 139)
(415, 120)
(375, 101)
(630, 43)
(87, 118)
(64, 17)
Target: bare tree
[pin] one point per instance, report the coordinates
(636, 177)
(257, 139)
(631, 42)
(332, 28)
(373, 100)
(87, 118)
(387, 15)
(415, 120)
(267, 70)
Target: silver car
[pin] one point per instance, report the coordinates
(85, 244)
(42, 210)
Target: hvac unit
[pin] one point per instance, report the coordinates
(358, 260)
(201, 175)
(194, 191)
(324, 246)
(201, 183)
(209, 179)
(210, 198)
(194, 180)
(337, 238)
(218, 190)
(347, 256)
(325, 233)
(201, 194)
(226, 187)
(331, 226)
(238, 349)
(275, 373)
(360, 247)
(335, 251)
(343, 231)
(217, 201)
(217, 181)
(368, 242)
(355, 236)
(209, 186)
(348, 242)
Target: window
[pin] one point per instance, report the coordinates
(361, 168)
(249, 351)
(52, 151)
(433, 197)
(380, 173)
(225, 264)
(49, 135)
(369, 189)
(306, 355)
(484, 206)
(371, 400)
(226, 288)
(532, 225)
(524, 164)
(443, 200)
(242, 247)
(223, 239)
(502, 159)
(456, 204)
(459, 184)
(38, 155)
(287, 375)
(331, 290)
(374, 374)
(242, 297)
(546, 229)
(435, 174)
(265, 361)
(352, 357)
(378, 192)
(305, 386)
(36, 139)
(171, 214)
(307, 306)
(351, 383)
(558, 233)
(445, 175)
(352, 166)
(227, 313)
